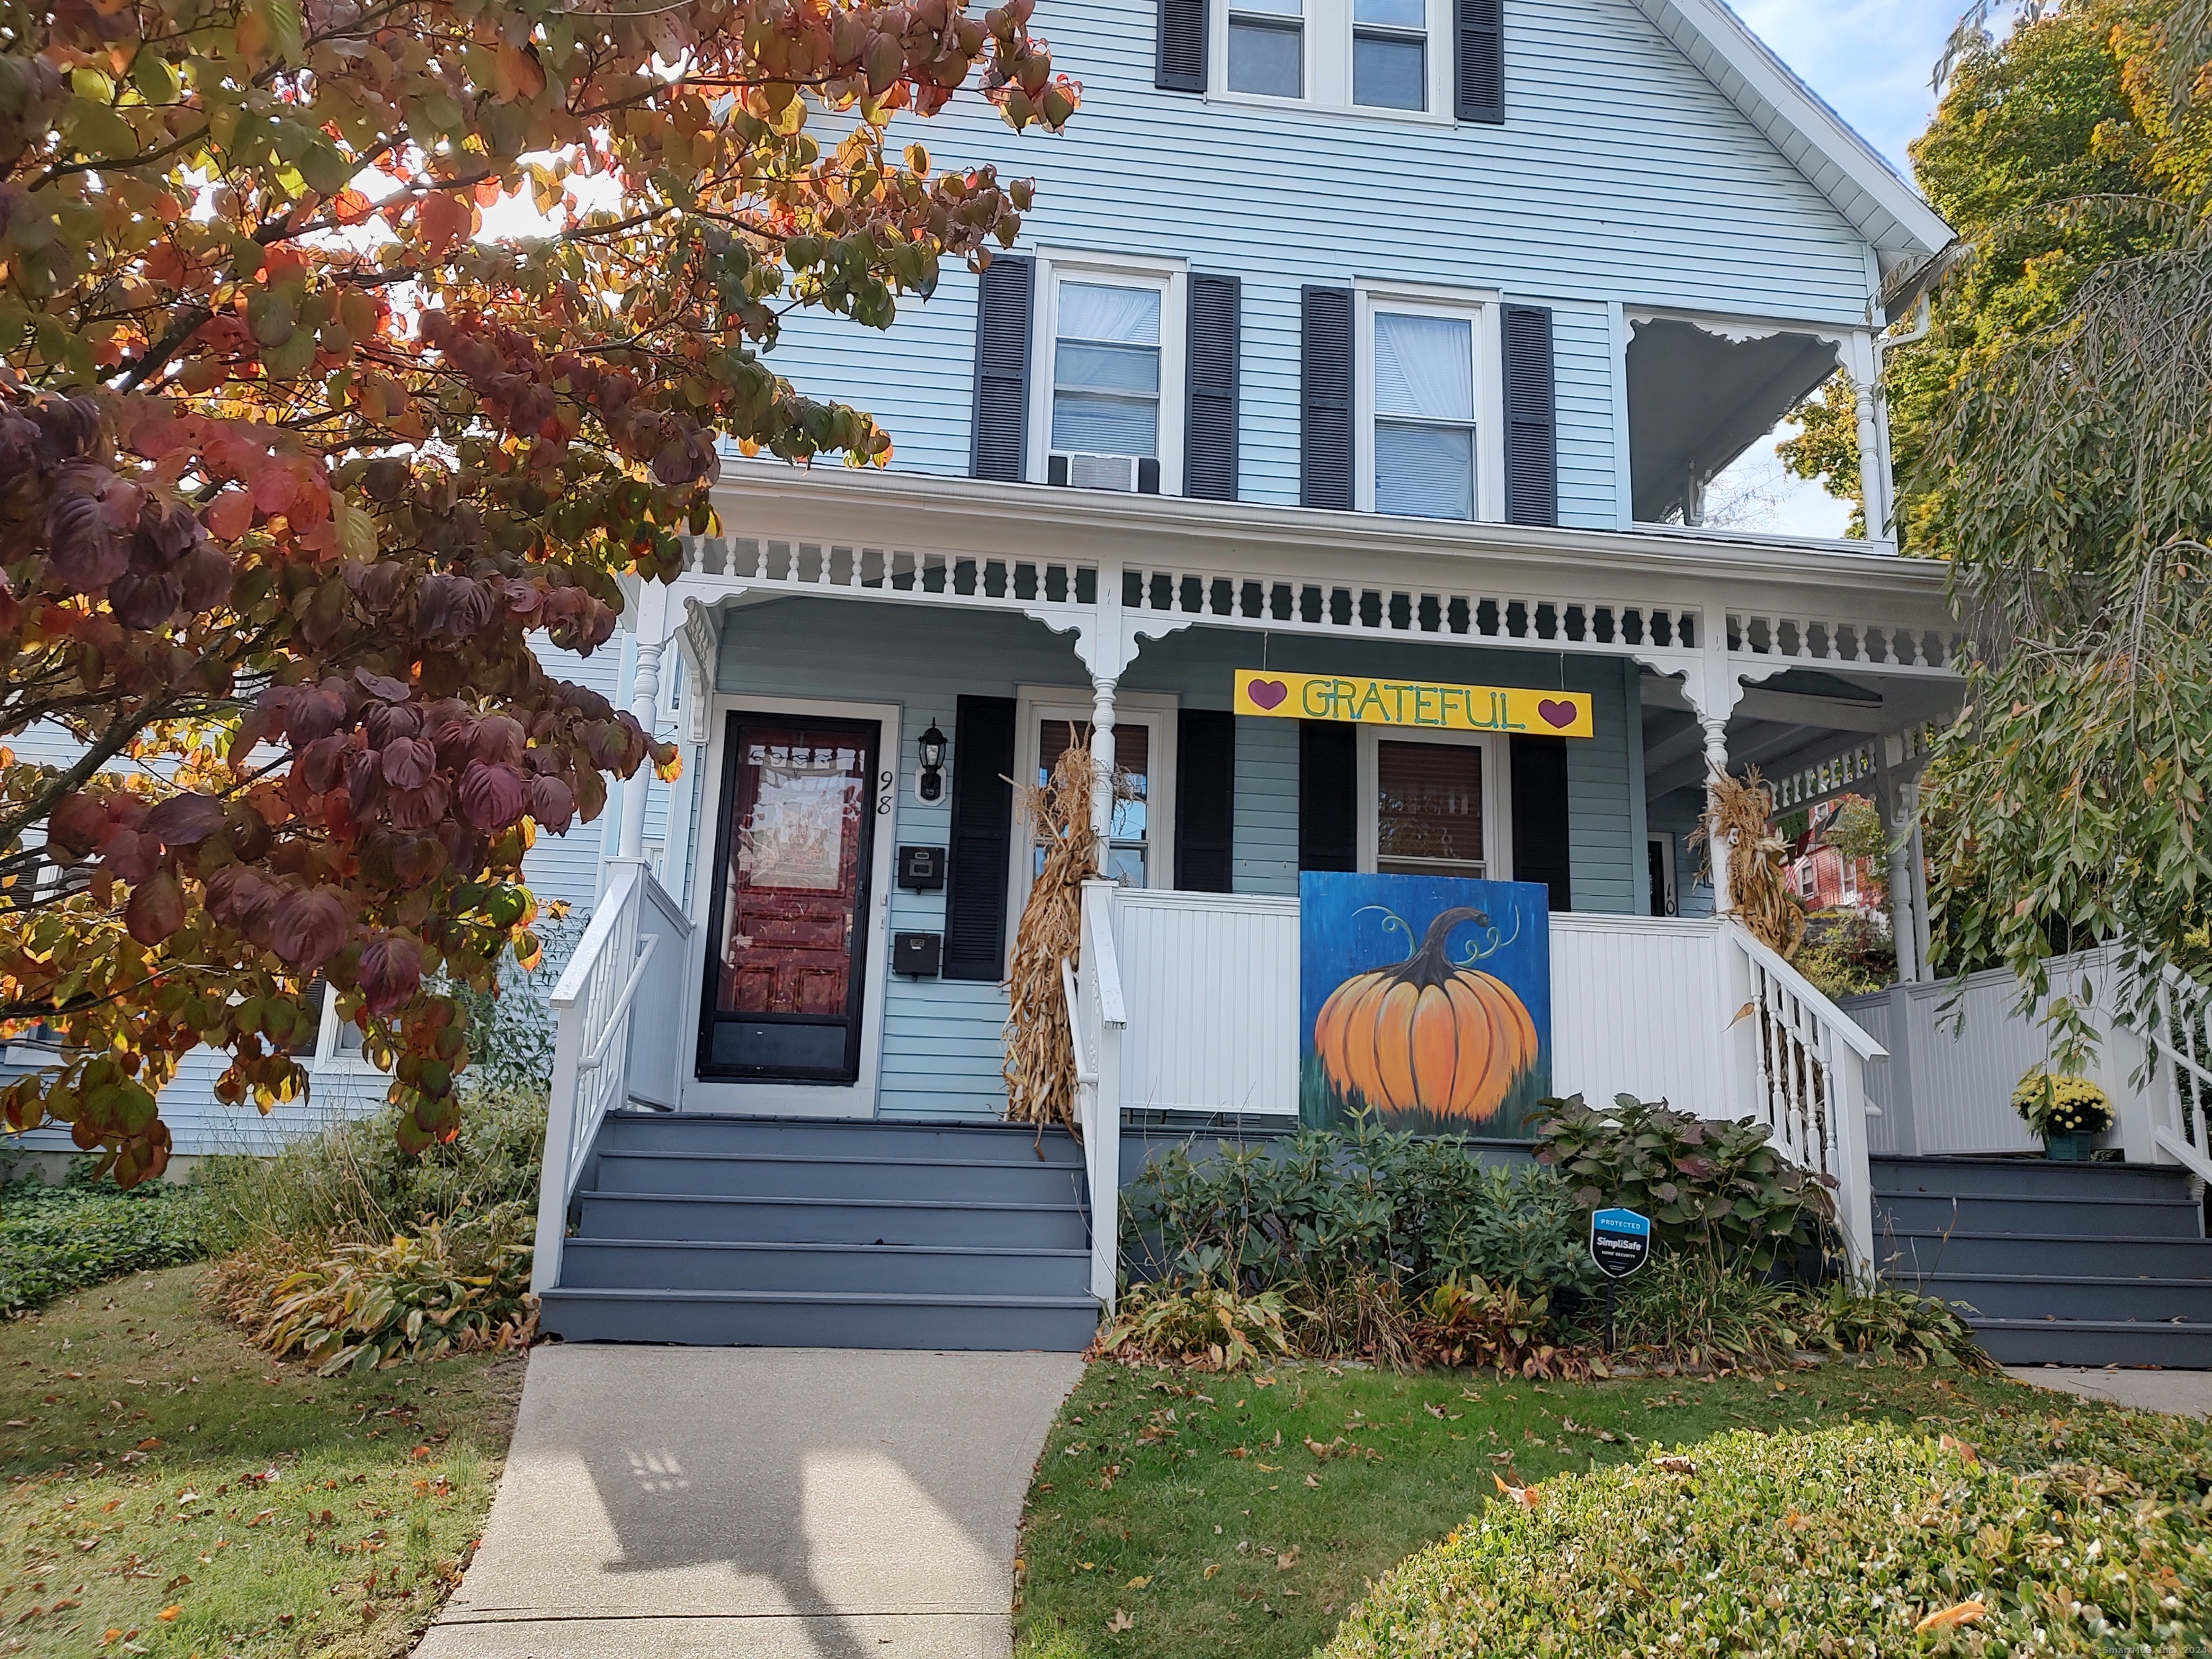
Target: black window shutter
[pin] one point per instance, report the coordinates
(1209, 443)
(1206, 799)
(999, 445)
(1539, 816)
(1325, 394)
(1532, 447)
(1328, 795)
(1179, 64)
(982, 834)
(1479, 27)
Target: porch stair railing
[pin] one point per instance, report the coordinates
(1095, 1017)
(1807, 1065)
(633, 951)
(2183, 1039)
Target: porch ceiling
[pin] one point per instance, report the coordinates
(1784, 725)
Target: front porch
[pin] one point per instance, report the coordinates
(911, 639)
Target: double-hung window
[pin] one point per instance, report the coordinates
(1389, 53)
(1428, 431)
(1110, 366)
(1364, 56)
(1268, 48)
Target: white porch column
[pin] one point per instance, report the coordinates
(1865, 367)
(1922, 948)
(1716, 727)
(645, 704)
(1904, 923)
(1101, 752)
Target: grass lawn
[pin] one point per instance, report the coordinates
(1192, 1517)
(172, 1491)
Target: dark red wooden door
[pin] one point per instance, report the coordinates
(787, 963)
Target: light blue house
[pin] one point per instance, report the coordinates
(1404, 344)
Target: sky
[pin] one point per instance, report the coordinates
(1871, 60)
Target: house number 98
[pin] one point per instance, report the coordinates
(886, 787)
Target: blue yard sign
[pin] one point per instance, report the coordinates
(1621, 1242)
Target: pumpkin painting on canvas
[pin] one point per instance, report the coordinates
(1427, 1001)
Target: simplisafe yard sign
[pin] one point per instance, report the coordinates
(1621, 1242)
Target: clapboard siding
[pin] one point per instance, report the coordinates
(1620, 176)
(1266, 853)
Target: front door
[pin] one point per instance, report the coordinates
(785, 971)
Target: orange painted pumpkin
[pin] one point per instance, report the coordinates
(1427, 1035)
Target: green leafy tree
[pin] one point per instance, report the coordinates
(2070, 474)
(2051, 154)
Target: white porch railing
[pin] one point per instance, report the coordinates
(2181, 1096)
(1095, 1017)
(1957, 1051)
(1694, 1012)
(634, 949)
(1807, 1073)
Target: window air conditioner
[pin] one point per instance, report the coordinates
(1128, 473)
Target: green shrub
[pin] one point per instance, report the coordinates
(353, 1184)
(55, 1239)
(1320, 1208)
(367, 1307)
(1689, 1309)
(1885, 1323)
(1720, 1188)
(1840, 1541)
(1204, 1325)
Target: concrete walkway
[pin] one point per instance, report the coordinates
(789, 1503)
(2186, 1394)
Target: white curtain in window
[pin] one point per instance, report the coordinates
(1424, 471)
(1423, 365)
(1119, 316)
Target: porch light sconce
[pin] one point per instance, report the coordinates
(929, 783)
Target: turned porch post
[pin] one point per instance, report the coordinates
(645, 704)
(1102, 753)
(1715, 727)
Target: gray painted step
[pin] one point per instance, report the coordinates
(1906, 1255)
(2095, 1342)
(812, 1319)
(2048, 1216)
(826, 1221)
(910, 1269)
(2081, 1295)
(700, 1131)
(1957, 1176)
(743, 1175)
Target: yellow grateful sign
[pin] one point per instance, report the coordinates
(1414, 703)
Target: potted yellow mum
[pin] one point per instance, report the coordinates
(2069, 1112)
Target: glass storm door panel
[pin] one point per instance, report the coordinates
(786, 970)
(1428, 809)
(1125, 860)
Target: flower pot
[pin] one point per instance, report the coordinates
(2079, 1147)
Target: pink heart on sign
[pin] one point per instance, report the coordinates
(1267, 693)
(1556, 712)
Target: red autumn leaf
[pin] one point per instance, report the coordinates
(156, 908)
(408, 762)
(229, 515)
(391, 973)
(552, 804)
(307, 928)
(184, 820)
(492, 796)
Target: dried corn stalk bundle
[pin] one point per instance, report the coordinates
(1739, 811)
(1040, 1063)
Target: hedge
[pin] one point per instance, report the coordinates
(2053, 1539)
(58, 1239)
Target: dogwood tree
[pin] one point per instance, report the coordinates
(295, 460)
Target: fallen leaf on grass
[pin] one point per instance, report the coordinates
(1121, 1621)
(168, 1614)
(1313, 1480)
(1139, 1582)
(1285, 1561)
(1212, 1568)
(1676, 1465)
(1961, 1613)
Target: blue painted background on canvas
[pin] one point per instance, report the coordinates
(1442, 1036)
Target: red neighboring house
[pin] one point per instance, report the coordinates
(1823, 879)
